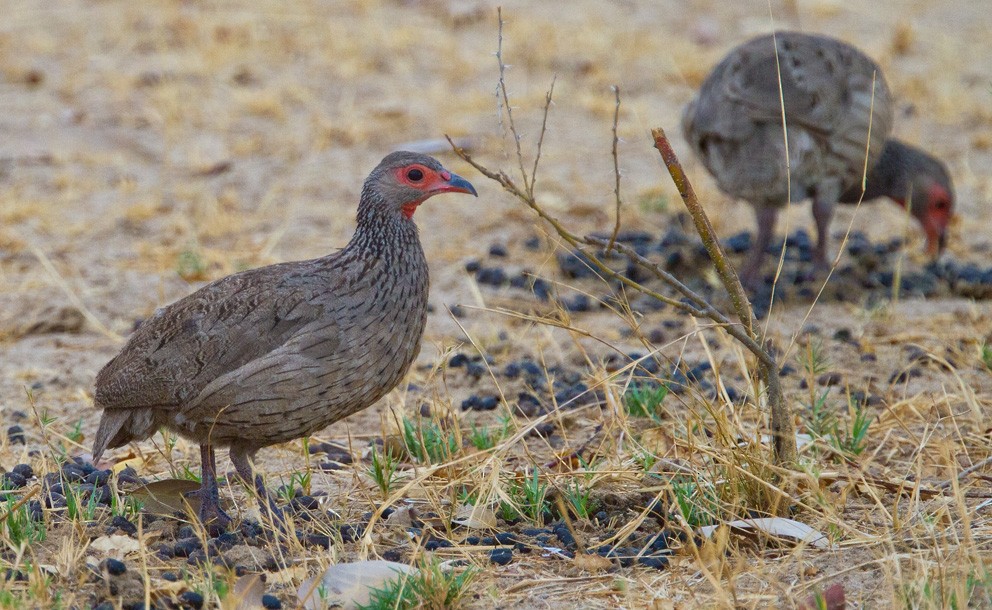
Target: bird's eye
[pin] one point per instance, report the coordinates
(415, 175)
(940, 204)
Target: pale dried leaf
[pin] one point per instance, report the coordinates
(475, 517)
(779, 527)
(349, 585)
(246, 594)
(116, 546)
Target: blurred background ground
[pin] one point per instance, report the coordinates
(147, 147)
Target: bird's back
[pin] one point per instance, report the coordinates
(834, 97)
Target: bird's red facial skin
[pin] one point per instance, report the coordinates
(937, 217)
(427, 180)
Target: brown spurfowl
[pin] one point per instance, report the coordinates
(276, 353)
(837, 108)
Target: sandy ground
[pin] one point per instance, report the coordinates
(148, 147)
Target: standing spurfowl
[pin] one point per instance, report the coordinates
(834, 97)
(276, 353)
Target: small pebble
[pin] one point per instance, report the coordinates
(501, 556)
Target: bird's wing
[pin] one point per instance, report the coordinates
(217, 329)
(820, 77)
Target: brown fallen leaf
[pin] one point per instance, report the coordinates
(831, 599)
(168, 496)
(475, 517)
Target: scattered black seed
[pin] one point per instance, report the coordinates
(224, 542)
(601, 517)
(658, 563)
(305, 503)
(543, 430)
(98, 477)
(10, 574)
(24, 470)
(15, 434)
(187, 547)
(393, 555)
(12, 480)
(829, 379)
(472, 540)
(906, 374)
(191, 599)
(457, 310)
(527, 405)
(506, 538)
(488, 541)
(480, 403)
(436, 543)
(320, 540)
(104, 606)
(498, 250)
(533, 243)
(473, 265)
(170, 576)
(186, 531)
(492, 276)
(349, 533)
(534, 531)
(458, 360)
(501, 556)
(575, 265)
(475, 370)
(563, 535)
(577, 303)
(115, 567)
(738, 243)
(271, 602)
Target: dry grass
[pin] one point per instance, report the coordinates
(147, 146)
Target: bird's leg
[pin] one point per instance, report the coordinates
(241, 458)
(211, 514)
(823, 213)
(765, 215)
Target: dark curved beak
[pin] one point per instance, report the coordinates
(457, 184)
(936, 242)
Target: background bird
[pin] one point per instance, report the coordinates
(279, 352)
(838, 110)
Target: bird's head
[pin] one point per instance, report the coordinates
(931, 201)
(404, 180)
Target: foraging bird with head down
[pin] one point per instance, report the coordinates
(277, 353)
(838, 111)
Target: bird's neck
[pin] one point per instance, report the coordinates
(385, 235)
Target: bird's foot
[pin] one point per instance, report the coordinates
(212, 516)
